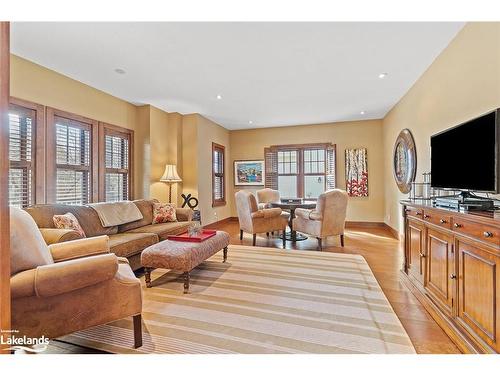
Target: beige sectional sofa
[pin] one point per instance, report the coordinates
(126, 240)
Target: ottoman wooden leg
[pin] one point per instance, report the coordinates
(225, 255)
(137, 331)
(186, 282)
(147, 276)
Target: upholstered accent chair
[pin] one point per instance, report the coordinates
(70, 286)
(327, 219)
(267, 196)
(254, 220)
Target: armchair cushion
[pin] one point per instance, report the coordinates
(79, 248)
(28, 249)
(58, 278)
(53, 235)
(308, 214)
(266, 213)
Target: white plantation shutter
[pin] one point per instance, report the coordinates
(73, 161)
(331, 181)
(22, 124)
(117, 159)
(271, 166)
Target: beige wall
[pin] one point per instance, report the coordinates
(208, 132)
(198, 133)
(159, 135)
(462, 83)
(250, 144)
(142, 156)
(190, 155)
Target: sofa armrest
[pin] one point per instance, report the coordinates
(266, 213)
(54, 235)
(79, 248)
(308, 214)
(184, 214)
(58, 278)
(22, 284)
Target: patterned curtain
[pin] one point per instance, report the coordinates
(356, 172)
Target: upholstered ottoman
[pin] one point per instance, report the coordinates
(182, 256)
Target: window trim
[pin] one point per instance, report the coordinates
(38, 145)
(109, 129)
(51, 167)
(300, 148)
(219, 202)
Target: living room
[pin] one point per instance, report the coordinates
(152, 206)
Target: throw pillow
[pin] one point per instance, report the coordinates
(163, 213)
(28, 249)
(68, 221)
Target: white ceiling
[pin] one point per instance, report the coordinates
(272, 74)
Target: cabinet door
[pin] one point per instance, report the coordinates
(440, 272)
(478, 291)
(415, 253)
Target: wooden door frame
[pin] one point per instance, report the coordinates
(5, 308)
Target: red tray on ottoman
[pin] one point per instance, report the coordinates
(205, 235)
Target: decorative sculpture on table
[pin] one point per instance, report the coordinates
(404, 160)
(356, 172)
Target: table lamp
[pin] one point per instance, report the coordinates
(170, 176)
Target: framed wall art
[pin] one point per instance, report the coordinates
(249, 173)
(356, 172)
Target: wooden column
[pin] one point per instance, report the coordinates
(4, 172)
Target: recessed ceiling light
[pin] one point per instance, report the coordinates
(219, 97)
(119, 71)
(382, 75)
(362, 112)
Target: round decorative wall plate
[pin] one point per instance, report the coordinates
(404, 161)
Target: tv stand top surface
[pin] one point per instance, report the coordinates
(492, 216)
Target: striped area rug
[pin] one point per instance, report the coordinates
(262, 300)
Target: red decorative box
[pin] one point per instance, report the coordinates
(184, 237)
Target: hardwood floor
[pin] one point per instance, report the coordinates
(384, 255)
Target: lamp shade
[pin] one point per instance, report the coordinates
(170, 174)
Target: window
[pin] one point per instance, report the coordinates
(24, 119)
(115, 163)
(288, 173)
(303, 171)
(70, 158)
(218, 177)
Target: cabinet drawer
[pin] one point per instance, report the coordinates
(438, 218)
(414, 212)
(479, 231)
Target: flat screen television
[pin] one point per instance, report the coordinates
(465, 157)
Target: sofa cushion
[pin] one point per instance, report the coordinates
(146, 208)
(87, 217)
(128, 244)
(165, 229)
(27, 246)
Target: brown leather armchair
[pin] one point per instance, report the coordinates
(252, 220)
(327, 219)
(66, 287)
